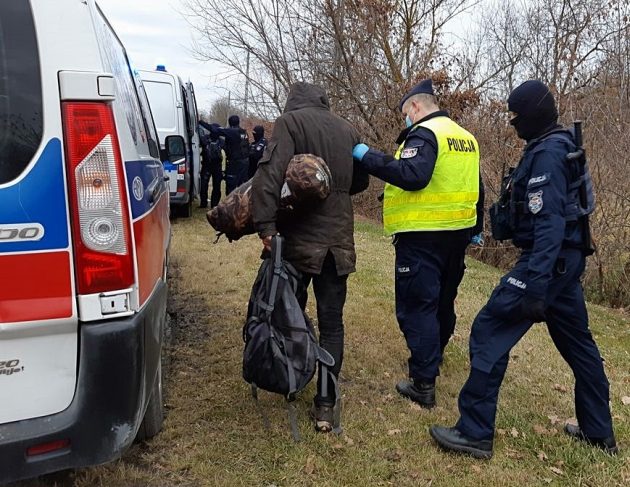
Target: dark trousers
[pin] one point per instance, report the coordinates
(428, 273)
(330, 293)
(235, 173)
(210, 172)
(499, 326)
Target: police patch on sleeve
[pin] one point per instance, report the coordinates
(539, 180)
(535, 201)
(408, 153)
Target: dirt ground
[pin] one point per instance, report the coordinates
(213, 435)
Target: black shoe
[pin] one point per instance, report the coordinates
(419, 392)
(451, 439)
(609, 445)
(323, 417)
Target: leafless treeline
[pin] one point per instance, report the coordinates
(366, 53)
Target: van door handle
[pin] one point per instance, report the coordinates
(154, 190)
(166, 178)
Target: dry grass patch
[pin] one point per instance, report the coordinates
(213, 435)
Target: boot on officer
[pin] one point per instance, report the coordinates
(544, 211)
(430, 206)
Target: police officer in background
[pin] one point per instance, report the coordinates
(236, 151)
(548, 220)
(256, 148)
(212, 159)
(431, 204)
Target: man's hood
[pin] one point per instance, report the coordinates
(306, 95)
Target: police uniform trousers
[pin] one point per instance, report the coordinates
(499, 326)
(235, 173)
(429, 268)
(210, 171)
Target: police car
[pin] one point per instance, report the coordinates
(175, 111)
(84, 237)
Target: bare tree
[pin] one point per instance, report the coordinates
(367, 53)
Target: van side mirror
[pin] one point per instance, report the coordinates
(175, 149)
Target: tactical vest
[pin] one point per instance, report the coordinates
(449, 201)
(575, 208)
(502, 212)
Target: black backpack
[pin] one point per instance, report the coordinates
(281, 351)
(214, 151)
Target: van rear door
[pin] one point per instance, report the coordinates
(160, 90)
(38, 318)
(192, 121)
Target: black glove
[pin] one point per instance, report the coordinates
(533, 308)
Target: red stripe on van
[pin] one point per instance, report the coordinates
(35, 287)
(150, 232)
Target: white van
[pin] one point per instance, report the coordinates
(175, 112)
(84, 237)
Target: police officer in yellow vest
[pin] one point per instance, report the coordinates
(430, 206)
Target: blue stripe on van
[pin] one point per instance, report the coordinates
(141, 175)
(38, 198)
(169, 167)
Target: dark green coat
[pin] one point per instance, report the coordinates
(307, 126)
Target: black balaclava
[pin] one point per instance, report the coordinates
(535, 108)
(259, 132)
(234, 121)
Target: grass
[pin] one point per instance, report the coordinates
(213, 435)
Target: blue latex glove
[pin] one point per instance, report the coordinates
(477, 240)
(359, 151)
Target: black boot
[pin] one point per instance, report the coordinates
(421, 392)
(451, 439)
(609, 445)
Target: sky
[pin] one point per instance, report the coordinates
(155, 32)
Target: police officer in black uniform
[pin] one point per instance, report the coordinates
(236, 151)
(211, 147)
(546, 208)
(256, 149)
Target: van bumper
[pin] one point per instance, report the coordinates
(117, 366)
(179, 198)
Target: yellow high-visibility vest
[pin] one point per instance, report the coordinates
(449, 201)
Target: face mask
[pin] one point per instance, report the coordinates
(408, 120)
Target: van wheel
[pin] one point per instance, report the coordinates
(154, 415)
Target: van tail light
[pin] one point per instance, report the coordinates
(181, 168)
(98, 198)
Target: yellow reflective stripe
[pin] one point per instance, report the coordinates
(449, 201)
(411, 209)
(456, 217)
(407, 197)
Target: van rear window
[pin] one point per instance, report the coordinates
(162, 104)
(21, 121)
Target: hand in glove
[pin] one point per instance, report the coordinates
(477, 240)
(359, 151)
(533, 308)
